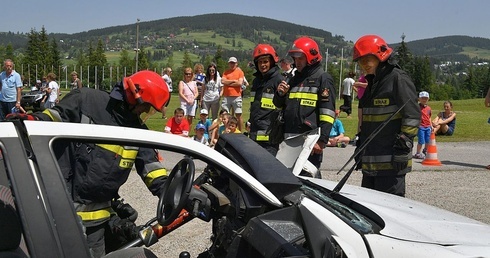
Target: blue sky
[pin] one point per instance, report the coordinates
(417, 19)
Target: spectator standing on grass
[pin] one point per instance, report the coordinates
(388, 157)
(52, 91)
(445, 122)
(214, 129)
(177, 124)
(167, 72)
(425, 127)
(75, 83)
(211, 91)
(188, 93)
(232, 81)
(199, 77)
(11, 89)
(487, 104)
(287, 66)
(347, 84)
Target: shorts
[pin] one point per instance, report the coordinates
(189, 110)
(424, 135)
(232, 102)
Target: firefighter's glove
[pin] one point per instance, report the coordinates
(20, 116)
(402, 152)
(123, 229)
(124, 210)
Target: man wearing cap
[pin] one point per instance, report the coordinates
(232, 81)
(203, 120)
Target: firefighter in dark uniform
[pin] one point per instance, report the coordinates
(388, 157)
(267, 77)
(95, 172)
(308, 100)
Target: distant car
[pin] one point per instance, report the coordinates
(257, 207)
(32, 100)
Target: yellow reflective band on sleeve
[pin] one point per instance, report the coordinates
(124, 152)
(127, 154)
(252, 99)
(267, 103)
(153, 175)
(262, 138)
(326, 118)
(410, 130)
(95, 215)
(379, 118)
(303, 95)
(55, 118)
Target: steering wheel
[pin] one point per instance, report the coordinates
(176, 191)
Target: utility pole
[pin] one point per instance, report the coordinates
(137, 36)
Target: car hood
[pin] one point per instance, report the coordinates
(415, 221)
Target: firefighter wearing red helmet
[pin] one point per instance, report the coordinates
(388, 157)
(94, 190)
(308, 100)
(267, 77)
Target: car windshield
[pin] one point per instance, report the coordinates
(349, 215)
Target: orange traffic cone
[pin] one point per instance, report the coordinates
(431, 156)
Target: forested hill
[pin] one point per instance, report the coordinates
(455, 48)
(247, 30)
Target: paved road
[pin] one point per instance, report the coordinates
(460, 185)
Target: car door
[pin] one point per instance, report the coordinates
(50, 226)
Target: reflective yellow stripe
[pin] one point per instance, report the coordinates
(267, 104)
(252, 99)
(379, 118)
(153, 175)
(262, 138)
(122, 151)
(127, 155)
(327, 119)
(95, 215)
(53, 118)
(410, 130)
(303, 95)
(380, 166)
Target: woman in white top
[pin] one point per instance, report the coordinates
(210, 96)
(51, 97)
(188, 94)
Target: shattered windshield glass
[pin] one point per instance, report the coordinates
(354, 218)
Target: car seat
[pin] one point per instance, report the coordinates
(11, 228)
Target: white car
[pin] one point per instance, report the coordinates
(258, 208)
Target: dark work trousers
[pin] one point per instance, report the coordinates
(388, 184)
(347, 107)
(95, 239)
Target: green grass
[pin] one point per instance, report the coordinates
(471, 119)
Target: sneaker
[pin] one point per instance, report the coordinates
(419, 156)
(424, 151)
(343, 145)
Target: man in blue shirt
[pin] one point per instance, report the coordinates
(11, 92)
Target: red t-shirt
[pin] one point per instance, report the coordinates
(174, 128)
(426, 113)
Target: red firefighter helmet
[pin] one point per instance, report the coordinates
(265, 49)
(372, 45)
(146, 86)
(307, 46)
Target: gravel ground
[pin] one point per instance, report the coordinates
(460, 185)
